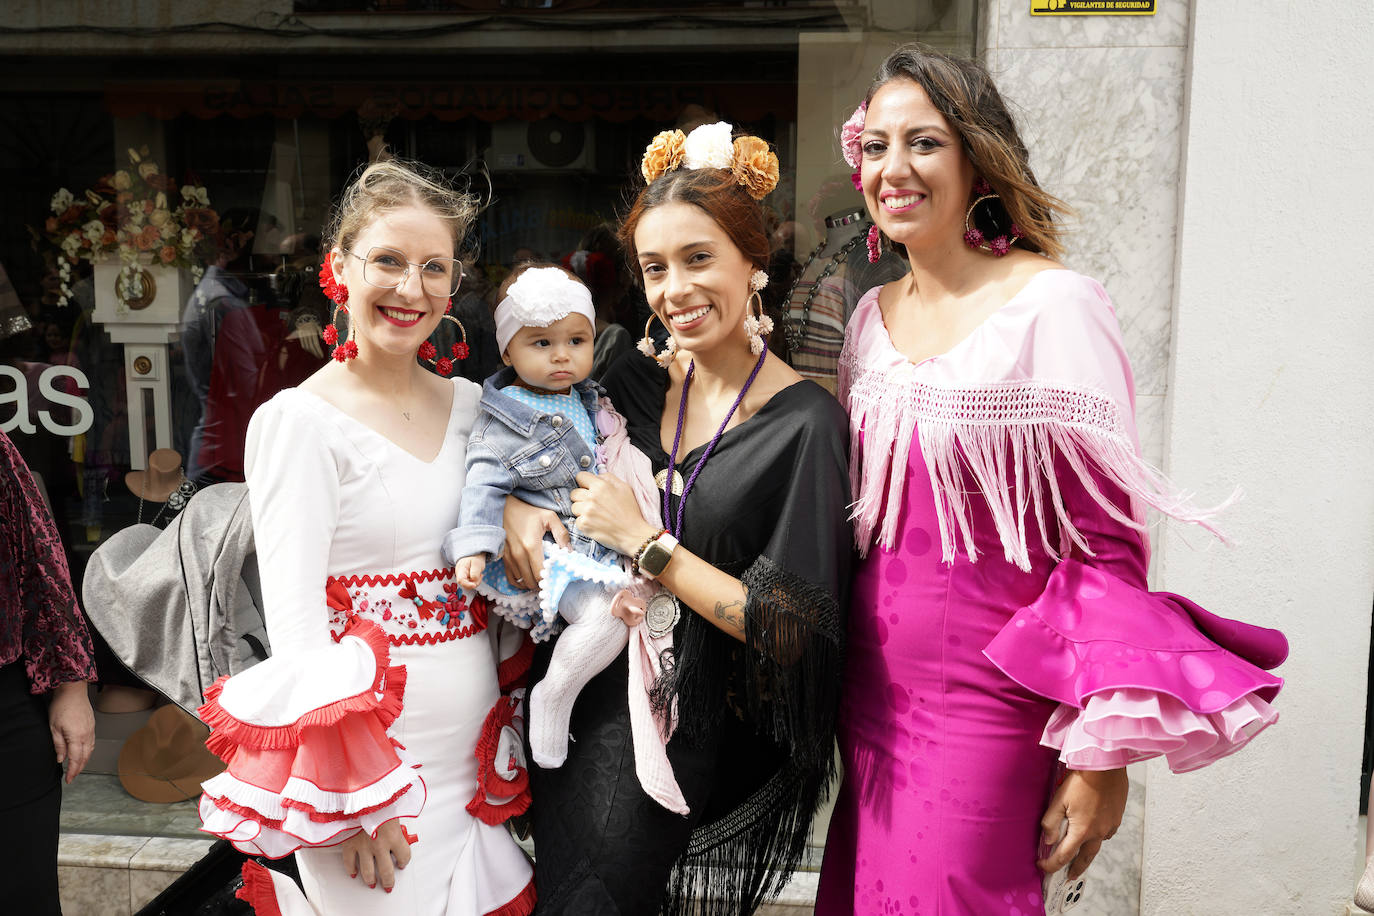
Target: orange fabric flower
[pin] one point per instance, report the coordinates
(664, 154)
(168, 254)
(147, 239)
(755, 166)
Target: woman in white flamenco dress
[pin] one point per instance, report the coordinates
(388, 701)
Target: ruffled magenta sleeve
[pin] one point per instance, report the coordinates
(1138, 674)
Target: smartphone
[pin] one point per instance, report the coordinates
(1061, 894)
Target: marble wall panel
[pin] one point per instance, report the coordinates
(90, 891)
(1104, 129)
(93, 873)
(1011, 23)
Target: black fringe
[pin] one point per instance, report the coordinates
(784, 682)
(737, 864)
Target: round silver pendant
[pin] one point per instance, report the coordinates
(661, 480)
(661, 614)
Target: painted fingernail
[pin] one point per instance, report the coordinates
(353, 874)
(387, 889)
(373, 884)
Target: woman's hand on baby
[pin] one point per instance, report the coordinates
(606, 511)
(524, 550)
(375, 862)
(468, 570)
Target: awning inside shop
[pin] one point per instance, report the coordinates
(570, 101)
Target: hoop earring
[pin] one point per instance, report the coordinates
(875, 245)
(756, 328)
(998, 246)
(646, 345)
(460, 351)
(349, 348)
(335, 291)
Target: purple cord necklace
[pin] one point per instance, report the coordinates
(676, 530)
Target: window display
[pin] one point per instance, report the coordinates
(160, 252)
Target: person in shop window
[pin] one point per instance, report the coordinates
(45, 664)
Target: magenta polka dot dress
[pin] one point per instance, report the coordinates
(1000, 624)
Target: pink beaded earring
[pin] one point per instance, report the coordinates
(998, 245)
(875, 245)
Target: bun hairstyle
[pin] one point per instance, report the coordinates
(963, 91)
(390, 185)
(725, 176)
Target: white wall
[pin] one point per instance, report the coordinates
(1271, 379)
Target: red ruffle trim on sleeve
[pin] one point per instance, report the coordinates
(1139, 674)
(503, 782)
(257, 890)
(315, 781)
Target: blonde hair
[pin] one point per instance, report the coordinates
(962, 90)
(390, 185)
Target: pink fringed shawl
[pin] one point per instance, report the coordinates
(1046, 376)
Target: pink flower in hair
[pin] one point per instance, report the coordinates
(858, 179)
(849, 135)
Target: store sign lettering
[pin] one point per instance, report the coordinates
(82, 414)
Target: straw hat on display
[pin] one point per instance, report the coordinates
(162, 477)
(166, 760)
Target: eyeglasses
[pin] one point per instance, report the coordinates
(387, 268)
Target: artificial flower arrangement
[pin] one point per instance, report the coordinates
(749, 159)
(138, 215)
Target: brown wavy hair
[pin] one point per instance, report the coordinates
(962, 90)
(719, 195)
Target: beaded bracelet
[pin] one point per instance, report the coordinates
(634, 557)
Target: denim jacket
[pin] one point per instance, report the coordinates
(516, 450)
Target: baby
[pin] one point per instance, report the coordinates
(536, 429)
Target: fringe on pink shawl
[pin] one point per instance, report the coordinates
(998, 438)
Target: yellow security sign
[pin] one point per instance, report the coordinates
(1092, 7)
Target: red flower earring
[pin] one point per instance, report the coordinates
(444, 367)
(335, 291)
(338, 294)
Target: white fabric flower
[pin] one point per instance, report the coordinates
(61, 201)
(758, 280)
(538, 298)
(710, 146)
(94, 230)
(72, 244)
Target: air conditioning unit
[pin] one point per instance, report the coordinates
(549, 144)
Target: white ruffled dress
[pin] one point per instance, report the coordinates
(386, 695)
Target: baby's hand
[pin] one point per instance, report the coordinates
(468, 570)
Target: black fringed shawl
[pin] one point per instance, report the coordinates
(770, 508)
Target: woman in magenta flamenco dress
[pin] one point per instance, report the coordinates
(1001, 633)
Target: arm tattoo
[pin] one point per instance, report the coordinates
(733, 617)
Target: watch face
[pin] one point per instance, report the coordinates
(654, 558)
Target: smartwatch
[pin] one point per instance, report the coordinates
(654, 556)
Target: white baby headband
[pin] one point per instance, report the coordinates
(541, 296)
